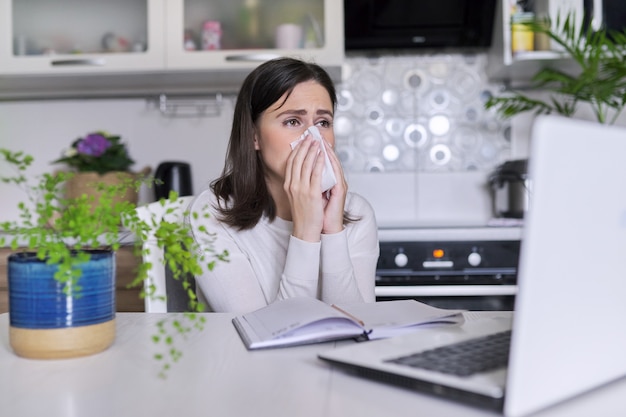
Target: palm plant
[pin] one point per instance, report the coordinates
(600, 79)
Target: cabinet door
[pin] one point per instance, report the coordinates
(239, 34)
(505, 64)
(81, 36)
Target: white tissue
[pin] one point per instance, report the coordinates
(328, 175)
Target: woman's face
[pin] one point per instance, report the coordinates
(284, 121)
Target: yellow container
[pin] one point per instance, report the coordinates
(522, 38)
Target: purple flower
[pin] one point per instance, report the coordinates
(93, 145)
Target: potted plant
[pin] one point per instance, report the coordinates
(600, 79)
(99, 157)
(62, 274)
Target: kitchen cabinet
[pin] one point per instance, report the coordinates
(81, 37)
(249, 32)
(127, 299)
(90, 48)
(517, 67)
(126, 263)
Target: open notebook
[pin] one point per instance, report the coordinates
(568, 326)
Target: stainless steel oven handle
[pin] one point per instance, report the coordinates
(444, 290)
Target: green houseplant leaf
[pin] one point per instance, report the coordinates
(600, 79)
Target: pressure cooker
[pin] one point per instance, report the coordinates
(510, 189)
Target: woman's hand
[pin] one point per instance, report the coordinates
(303, 178)
(334, 206)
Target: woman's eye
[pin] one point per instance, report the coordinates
(324, 123)
(292, 122)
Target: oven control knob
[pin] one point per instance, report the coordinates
(474, 259)
(401, 260)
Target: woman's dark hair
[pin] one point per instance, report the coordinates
(241, 190)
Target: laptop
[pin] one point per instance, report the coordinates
(567, 331)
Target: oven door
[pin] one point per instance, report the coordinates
(465, 297)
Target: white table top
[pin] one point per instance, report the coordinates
(217, 376)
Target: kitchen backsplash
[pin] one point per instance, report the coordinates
(418, 113)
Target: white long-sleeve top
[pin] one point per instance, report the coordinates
(266, 263)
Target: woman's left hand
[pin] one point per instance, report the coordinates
(334, 206)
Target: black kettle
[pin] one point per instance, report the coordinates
(172, 176)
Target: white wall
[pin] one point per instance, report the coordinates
(522, 123)
(45, 129)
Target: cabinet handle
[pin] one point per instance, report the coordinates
(252, 57)
(90, 62)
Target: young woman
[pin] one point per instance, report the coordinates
(284, 237)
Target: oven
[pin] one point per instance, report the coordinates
(472, 268)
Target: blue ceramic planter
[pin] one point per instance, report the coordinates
(38, 303)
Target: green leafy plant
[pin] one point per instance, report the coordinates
(62, 231)
(600, 79)
(98, 152)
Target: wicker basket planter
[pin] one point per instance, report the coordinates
(85, 183)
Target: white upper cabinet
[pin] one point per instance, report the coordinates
(81, 36)
(83, 48)
(225, 34)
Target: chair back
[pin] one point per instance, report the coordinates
(162, 300)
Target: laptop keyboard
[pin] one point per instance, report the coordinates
(465, 358)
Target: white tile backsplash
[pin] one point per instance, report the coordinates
(420, 113)
(415, 139)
